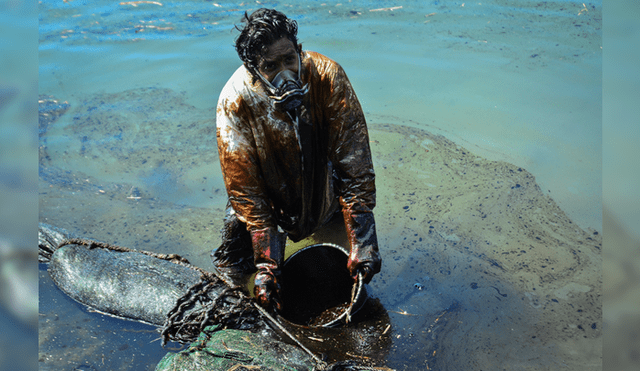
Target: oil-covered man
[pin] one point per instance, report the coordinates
(294, 151)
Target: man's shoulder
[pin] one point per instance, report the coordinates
(238, 84)
(321, 61)
(316, 56)
(323, 65)
(239, 80)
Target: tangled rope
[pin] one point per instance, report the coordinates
(230, 309)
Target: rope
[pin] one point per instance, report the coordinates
(91, 244)
(281, 328)
(320, 365)
(353, 298)
(229, 309)
(173, 258)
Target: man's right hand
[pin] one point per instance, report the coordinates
(268, 252)
(267, 290)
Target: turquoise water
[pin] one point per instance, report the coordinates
(18, 185)
(519, 82)
(132, 160)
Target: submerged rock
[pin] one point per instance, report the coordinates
(129, 285)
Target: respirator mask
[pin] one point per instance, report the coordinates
(286, 90)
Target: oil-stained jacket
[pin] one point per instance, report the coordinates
(279, 172)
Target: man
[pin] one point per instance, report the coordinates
(294, 150)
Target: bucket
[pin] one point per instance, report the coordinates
(317, 287)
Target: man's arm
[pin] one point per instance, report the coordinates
(351, 155)
(240, 167)
(245, 187)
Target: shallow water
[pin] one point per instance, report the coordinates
(482, 268)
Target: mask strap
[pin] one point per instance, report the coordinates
(300, 67)
(265, 81)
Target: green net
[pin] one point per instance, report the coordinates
(236, 350)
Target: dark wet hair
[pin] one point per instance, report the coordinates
(261, 29)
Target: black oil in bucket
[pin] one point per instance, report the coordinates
(317, 289)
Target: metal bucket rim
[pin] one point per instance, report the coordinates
(360, 295)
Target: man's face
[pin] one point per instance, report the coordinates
(280, 56)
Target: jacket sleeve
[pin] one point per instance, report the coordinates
(246, 189)
(351, 155)
(239, 163)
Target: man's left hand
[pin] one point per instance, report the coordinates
(367, 268)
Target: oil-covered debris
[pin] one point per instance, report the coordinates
(158, 289)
